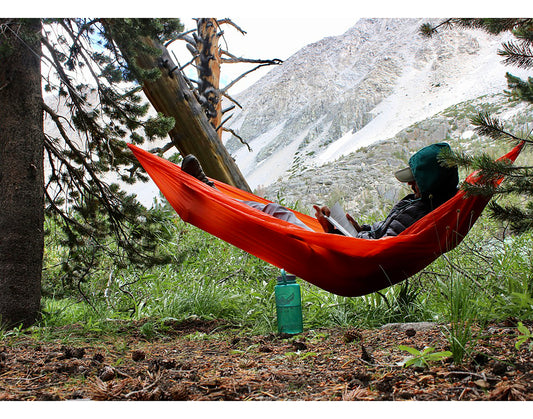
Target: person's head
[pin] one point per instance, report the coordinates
(428, 175)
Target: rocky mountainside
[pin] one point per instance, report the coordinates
(363, 180)
(340, 115)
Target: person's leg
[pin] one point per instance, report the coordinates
(278, 211)
(192, 166)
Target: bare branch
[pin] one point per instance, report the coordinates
(223, 122)
(163, 149)
(227, 87)
(183, 37)
(240, 138)
(231, 23)
(231, 99)
(229, 108)
(193, 50)
(234, 59)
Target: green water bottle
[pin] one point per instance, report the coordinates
(288, 304)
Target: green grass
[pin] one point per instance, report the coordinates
(484, 279)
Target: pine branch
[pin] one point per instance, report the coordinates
(520, 90)
(69, 221)
(486, 125)
(109, 200)
(520, 55)
(428, 30)
(492, 127)
(525, 32)
(493, 26)
(517, 180)
(486, 189)
(521, 220)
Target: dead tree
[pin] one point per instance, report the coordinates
(197, 112)
(171, 95)
(208, 66)
(208, 56)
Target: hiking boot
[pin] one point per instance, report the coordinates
(191, 165)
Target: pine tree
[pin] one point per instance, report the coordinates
(21, 172)
(519, 179)
(94, 102)
(94, 83)
(101, 90)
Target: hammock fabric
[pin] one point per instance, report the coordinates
(342, 265)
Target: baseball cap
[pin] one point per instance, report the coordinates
(426, 169)
(405, 175)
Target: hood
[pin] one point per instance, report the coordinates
(432, 176)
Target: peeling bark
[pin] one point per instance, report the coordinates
(208, 65)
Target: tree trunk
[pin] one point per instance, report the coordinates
(192, 133)
(21, 172)
(208, 65)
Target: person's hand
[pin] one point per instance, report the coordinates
(353, 222)
(320, 213)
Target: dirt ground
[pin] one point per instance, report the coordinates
(208, 360)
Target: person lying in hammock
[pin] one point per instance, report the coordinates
(432, 184)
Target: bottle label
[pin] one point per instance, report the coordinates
(285, 300)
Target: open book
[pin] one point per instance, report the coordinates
(339, 220)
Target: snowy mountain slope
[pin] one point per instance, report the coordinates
(346, 92)
(363, 181)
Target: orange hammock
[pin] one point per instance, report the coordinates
(342, 265)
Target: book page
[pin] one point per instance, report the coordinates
(339, 220)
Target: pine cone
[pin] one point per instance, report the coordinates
(352, 335)
(179, 392)
(107, 373)
(137, 355)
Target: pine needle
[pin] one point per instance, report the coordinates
(520, 55)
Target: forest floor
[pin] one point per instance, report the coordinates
(209, 360)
